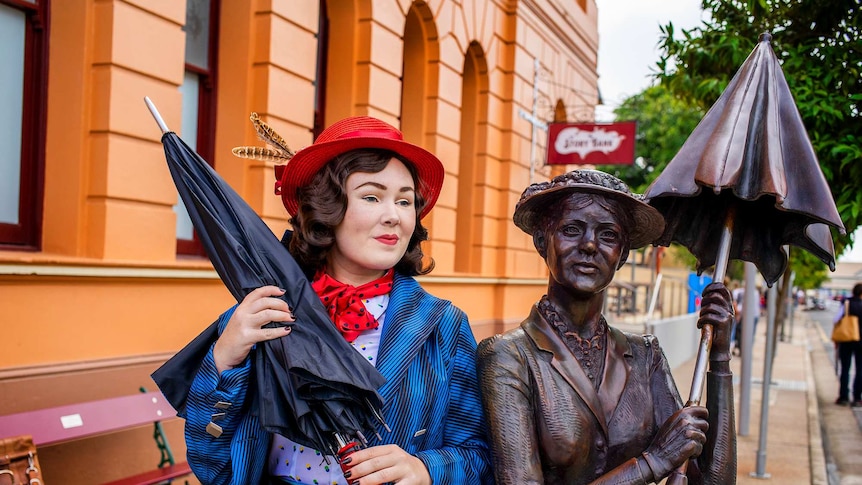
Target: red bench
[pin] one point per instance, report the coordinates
(74, 421)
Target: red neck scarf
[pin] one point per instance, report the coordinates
(344, 302)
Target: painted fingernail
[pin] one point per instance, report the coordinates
(347, 474)
(346, 460)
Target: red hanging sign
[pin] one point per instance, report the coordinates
(592, 143)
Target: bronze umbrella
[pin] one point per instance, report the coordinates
(750, 158)
(745, 183)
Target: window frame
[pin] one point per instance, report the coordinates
(207, 99)
(27, 233)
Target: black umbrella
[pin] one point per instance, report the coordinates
(311, 386)
(745, 183)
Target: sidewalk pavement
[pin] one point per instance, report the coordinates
(809, 439)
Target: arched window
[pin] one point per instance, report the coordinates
(336, 96)
(560, 115)
(413, 78)
(471, 176)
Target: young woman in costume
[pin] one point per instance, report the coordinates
(356, 198)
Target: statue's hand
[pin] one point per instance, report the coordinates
(681, 437)
(717, 310)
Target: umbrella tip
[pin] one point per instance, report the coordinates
(156, 115)
(765, 37)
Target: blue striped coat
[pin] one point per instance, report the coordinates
(428, 356)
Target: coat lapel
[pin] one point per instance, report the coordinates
(617, 368)
(564, 362)
(410, 319)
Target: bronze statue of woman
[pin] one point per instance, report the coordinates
(571, 400)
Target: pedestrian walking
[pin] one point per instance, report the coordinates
(849, 352)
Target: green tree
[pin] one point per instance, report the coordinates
(663, 124)
(809, 272)
(819, 44)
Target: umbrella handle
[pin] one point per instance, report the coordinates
(678, 477)
(345, 451)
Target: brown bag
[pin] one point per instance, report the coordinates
(847, 329)
(19, 464)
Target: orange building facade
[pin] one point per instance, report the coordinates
(107, 290)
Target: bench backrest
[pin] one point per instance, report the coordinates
(74, 421)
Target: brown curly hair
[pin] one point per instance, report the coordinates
(323, 203)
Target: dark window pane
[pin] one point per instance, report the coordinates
(197, 31)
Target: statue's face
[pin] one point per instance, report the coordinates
(582, 247)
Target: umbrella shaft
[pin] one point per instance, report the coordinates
(697, 382)
(678, 477)
(721, 260)
(723, 255)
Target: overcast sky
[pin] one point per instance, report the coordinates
(628, 44)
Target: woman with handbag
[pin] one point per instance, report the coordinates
(850, 351)
(356, 197)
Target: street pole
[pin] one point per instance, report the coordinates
(533, 118)
(787, 296)
(749, 307)
(793, 304)
(760, 468)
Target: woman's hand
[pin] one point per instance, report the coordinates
(717, 310)
(384, 464)
(681, 437)
(243, 330)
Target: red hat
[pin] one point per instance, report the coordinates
(350, 134)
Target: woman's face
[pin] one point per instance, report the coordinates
(582, 247)
(377, 226)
